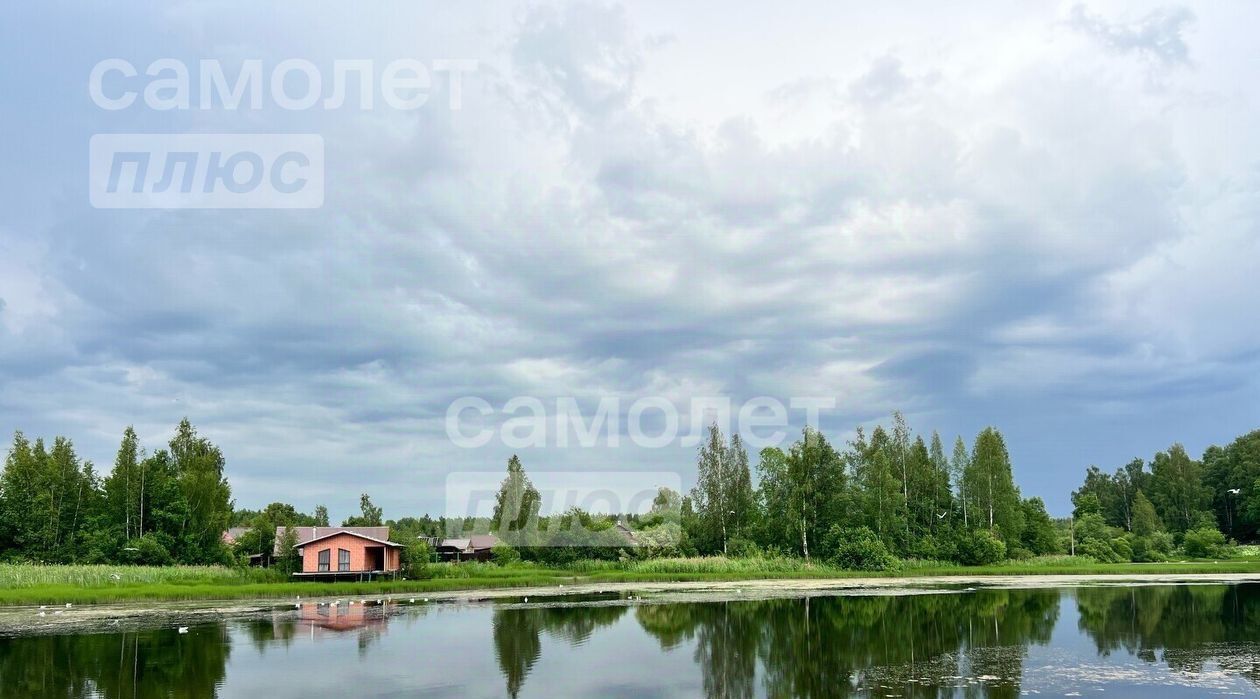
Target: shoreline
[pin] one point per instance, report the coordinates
(21, 620)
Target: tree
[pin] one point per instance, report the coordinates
(879, 490)
(321, 516)
(199, 468)
(723, 495)
(743, 502)
(370, 515)
(18, 484)
(124, 488)
(287, 561)
(1130, 480)
(1039, 536)
(517, 503)
(1145, 520)
(991, 486)
(1232, 474)
(941, 495)
(815, 480)
(1177, 489)
(900, 453)
(666, 507)
(958, 466)
(779, 526)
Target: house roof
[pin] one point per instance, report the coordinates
(306, 535)
(233, 533)
(476, 542)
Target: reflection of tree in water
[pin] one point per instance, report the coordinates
(281, 629)
(517, 642)
(1186, 625)
(726, 635)
(147, 664)
(836, 646)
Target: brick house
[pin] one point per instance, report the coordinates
(339, 552)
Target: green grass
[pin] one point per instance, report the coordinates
(37, 584)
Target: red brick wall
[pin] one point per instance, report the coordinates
(358, 553)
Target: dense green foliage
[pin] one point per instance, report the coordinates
(169, 506)
(1173, 505)
(875, 499)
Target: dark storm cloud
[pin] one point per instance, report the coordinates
(1032, 240)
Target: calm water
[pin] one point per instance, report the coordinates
(1154, 641)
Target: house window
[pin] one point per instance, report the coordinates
(323, 560)
(343, 559)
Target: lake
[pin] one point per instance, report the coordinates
(1114, 640)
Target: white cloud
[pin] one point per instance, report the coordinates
(949, 215)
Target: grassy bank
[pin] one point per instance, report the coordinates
(31, 584)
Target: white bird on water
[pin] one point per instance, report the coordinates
(183, 629)
(1234, 491)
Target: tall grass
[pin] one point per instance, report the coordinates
(28, 575)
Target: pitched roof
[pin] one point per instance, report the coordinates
(305, 535)
(475, 542)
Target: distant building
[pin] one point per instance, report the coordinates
(232, 534)
(343, 552)
(626, 532)
(477, 547)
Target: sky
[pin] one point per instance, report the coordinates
(1043, 217)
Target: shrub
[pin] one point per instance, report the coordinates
(659, 541)
(1100, 550)
(858, 549)
(743, 548)
(1019, 553)
(504, 554)
(1205, 542)
(414, 559)
(980, 548)
(146, 551)
(1146, 550)
(1123, 549)
(934, 548)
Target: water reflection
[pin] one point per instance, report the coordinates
(518, 631)
(854, 646)
(1184, 626)
(142, 665)
(974, 643)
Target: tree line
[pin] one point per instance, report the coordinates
(887, 494)
(168, 506)
(1144, 510)
(880, 496)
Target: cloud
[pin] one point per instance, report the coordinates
(1158, 35)
(1036, 242)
